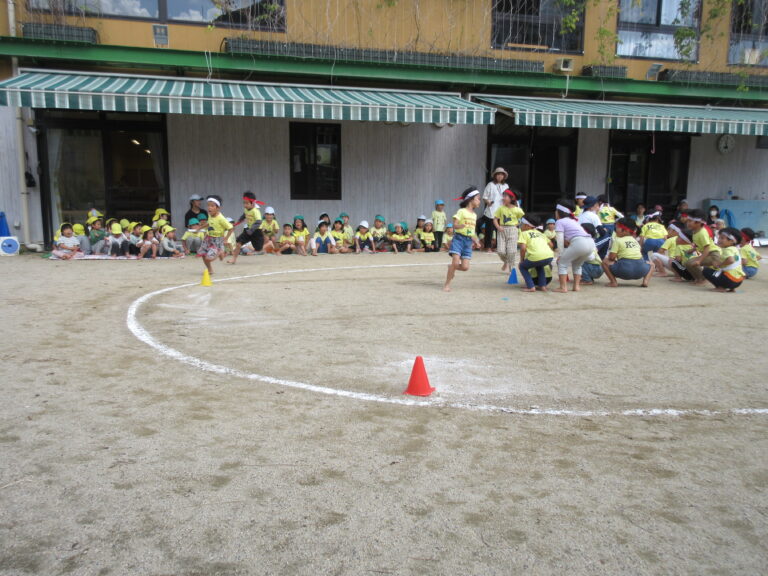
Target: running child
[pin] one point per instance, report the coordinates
(252, 231)
(625, 258)
(750, 259)
(464, 237)
(535, 252)
(505, 220)
(727, 274)
(218, 233)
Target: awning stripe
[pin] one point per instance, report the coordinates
(633, 116)
(81, 91)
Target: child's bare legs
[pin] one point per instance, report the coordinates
(143, 250)
(301, 248)
(209, 264)
(456, 264)
(647, 278)
(409, 248)
(611, 278)
(235, 254)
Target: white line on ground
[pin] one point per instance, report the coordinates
(144, 336)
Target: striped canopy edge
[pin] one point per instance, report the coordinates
(163, 95)
(561, 113)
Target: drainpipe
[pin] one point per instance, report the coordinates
(21, 159)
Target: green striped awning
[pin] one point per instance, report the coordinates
(121, 93)
(631, 116)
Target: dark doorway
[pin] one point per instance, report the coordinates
(647, 168)
(541, 161)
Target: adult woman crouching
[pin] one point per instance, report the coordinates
(577, 244)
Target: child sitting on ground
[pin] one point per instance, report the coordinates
(447, 238)
(322, 242)
(727, 274)
(148, 245)
(67, 246)
(401, 240)
(168, 247)
(625, 260)
(749, 256)
(535, 252)
(364, 240)
(286, 244)
(340, 236)
(428, 242)
(97, 236)
(116, 243)
(417, 232)
(270, 229)
(301, 234)
(591, 270)
(379, 234)
(194, 235)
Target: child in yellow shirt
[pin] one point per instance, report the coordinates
(219, 231)
(727, 274)
(535, 253)
(505, 220)
(364, 239)
(749, 256)
(625, 259)
(465, 236)
(286, 244)
(447, 237)
(439, 220)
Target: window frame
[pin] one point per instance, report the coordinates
(314, 195)
(535, 19)
(736, 37)
(162, 18)
(659, 28)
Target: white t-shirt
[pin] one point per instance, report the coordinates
(589, 217)
(71, 242)
(493, 193)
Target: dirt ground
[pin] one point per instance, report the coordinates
(118, 459)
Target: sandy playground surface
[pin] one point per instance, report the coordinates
(537, 454)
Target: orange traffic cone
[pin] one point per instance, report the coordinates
(206, 279)
(418, 385)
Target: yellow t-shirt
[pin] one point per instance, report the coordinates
(749, 256)
(193, 234)
(607, 214)
(447, 239)
(287, 239)
(377, 233)
(400, 237)
(339, 236)
(418, 233)
(653, 231)
(671, 248)
(464, 222)
(218, 226)
(270, 228)
(626, 248)
(509, 215)
(301, 234)
(702, 239)
(439, 219)
(363, 237)
(578, 210)
(733, 252)
(536, 245)
(252, 215)
(427, 238)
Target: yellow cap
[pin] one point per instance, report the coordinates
(168, 228)
(124, 222)
(78, 229)
(161, 223)
(116, 228)
(92, 219)
(145, 229)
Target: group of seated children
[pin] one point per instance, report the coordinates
(100, 238)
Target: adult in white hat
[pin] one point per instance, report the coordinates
(194, 209)
(491, 202)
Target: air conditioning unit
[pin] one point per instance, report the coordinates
(9, 246)
(564, 65)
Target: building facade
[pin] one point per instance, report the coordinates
(374, 106)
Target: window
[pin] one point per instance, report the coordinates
(749, 33)
(250, 14)
(659, 29)
(537, 25)
(266, 15)
(124, 8)
(315, 161)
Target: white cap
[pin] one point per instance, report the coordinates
(364, 223)
(422, 217)
(269, 210)
(195, 197)
(428, 221)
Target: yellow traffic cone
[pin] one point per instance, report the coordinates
(206, 279)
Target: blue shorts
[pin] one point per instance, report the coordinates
(462, 246)
(628, 269)
(750, 271)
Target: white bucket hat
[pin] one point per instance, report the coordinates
(500, 170)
